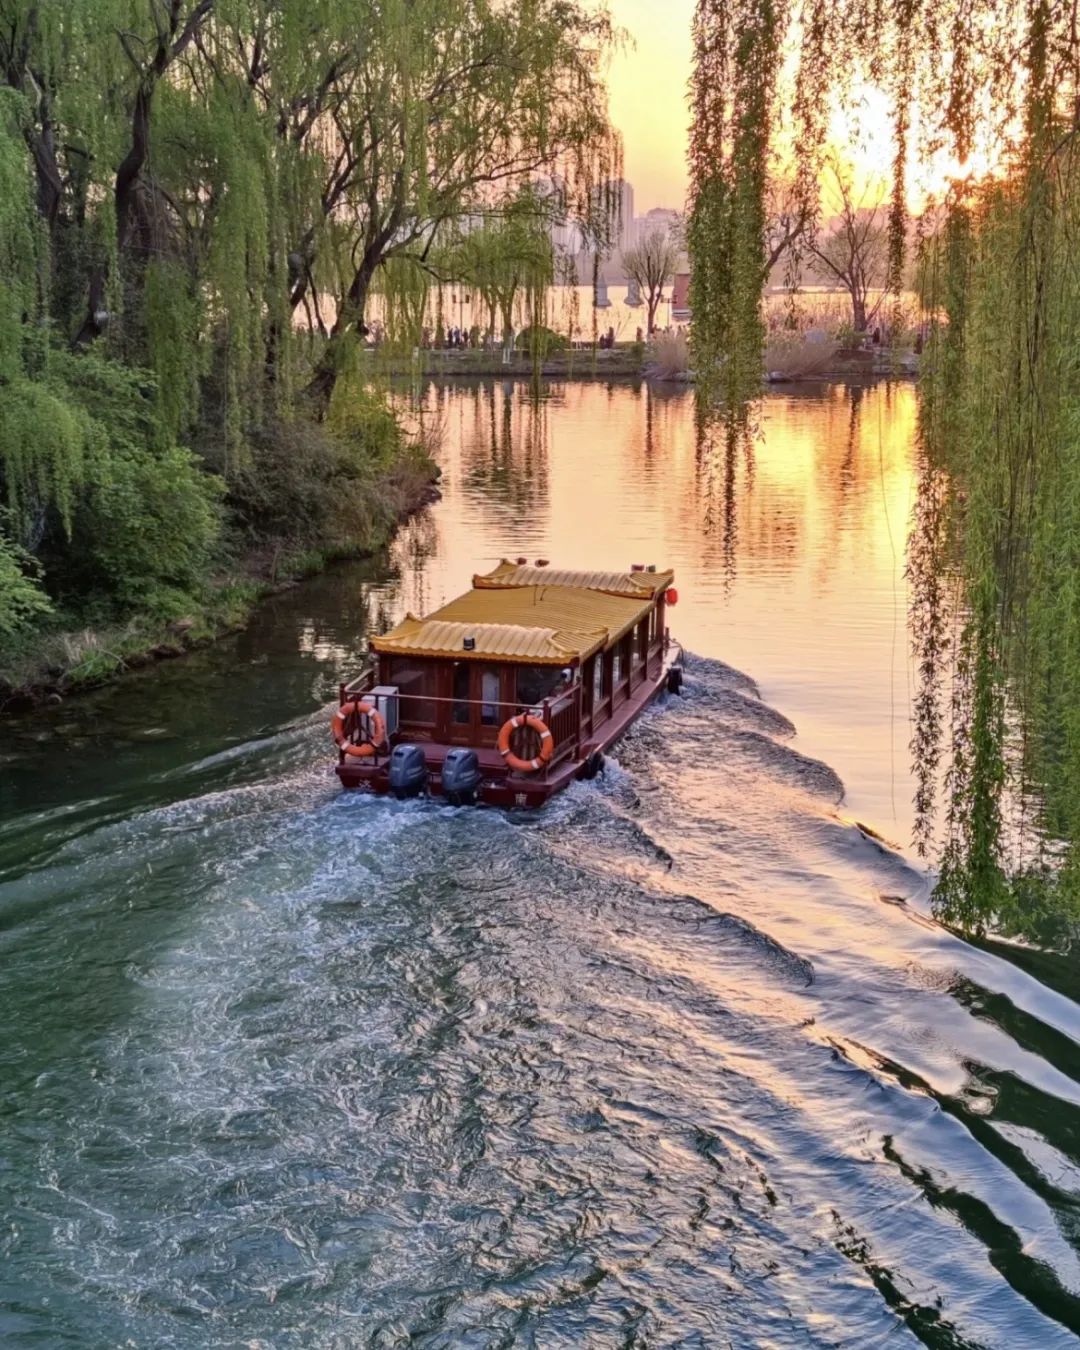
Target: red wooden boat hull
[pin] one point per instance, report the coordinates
(500, 786)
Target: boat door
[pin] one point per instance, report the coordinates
(476, 709)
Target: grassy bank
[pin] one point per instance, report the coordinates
(265, 549)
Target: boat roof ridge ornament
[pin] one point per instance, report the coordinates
(634, 584)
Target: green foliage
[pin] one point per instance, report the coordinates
(736, 64)
(1001, 423)
(18, 243)
(509, 261)
(543, 340)
(319, 484)
(995, 554)
(146, 533)
(22, 601)
(44, 444)
(180, 184)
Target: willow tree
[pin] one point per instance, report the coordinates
(736, 67)
(509, 258)
(181, 180)
(454, 103)
(996, 83)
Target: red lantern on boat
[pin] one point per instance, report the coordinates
(672, 596)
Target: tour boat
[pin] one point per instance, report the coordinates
(510, 692)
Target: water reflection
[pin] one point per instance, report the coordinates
(789, 549)
(677, 1061)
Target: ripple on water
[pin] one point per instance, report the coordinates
(656, 1067)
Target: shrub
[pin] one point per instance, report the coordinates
(122, 517)
(307, 484)
(541, 340)
(798, 355)
(667, 356)
(146, 535)
(359, 418)
(21, 598)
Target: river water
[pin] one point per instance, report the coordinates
(679, 1061)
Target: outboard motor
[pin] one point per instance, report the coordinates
(408, 772)
(461, 776)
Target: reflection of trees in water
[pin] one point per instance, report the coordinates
(327, 618)
(417, 543)
(932, 610)
(506, 459)
(717, 454)
(809, 486)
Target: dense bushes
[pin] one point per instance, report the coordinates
(308, 483)
(177, 222)
(21, 599)
(118, 516)
(540, 340)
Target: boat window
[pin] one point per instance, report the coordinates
(489, 694)
(625, 649)
(536, 683)
(417, 681)
(616, 667)
(461, 692)
(598, 678)
(641, 646)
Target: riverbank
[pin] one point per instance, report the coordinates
(626, 361)
(620, 362)
(49, 665)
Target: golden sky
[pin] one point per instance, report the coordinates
(647, 81)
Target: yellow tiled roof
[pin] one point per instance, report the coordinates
(614, 583)
(552, 622)
(508, 641)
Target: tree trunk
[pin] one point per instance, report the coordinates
(50, 184)
(350, 317)
(654, 301)
(171, 44)
(858, 311)
(127, 177)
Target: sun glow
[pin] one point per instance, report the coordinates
(648, 79)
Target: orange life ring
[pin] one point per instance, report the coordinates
(547, 743)
(366, 748)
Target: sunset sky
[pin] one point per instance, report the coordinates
(648, 78)
(648, 81)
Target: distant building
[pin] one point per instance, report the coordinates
(680, 298)
(660, 220)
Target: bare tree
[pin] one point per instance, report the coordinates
(652, 264)
(787, 221)
(855, 249)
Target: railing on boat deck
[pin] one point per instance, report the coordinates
(362, 684)
(564, 715)
(561, 715)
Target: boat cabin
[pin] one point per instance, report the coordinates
(575, 655)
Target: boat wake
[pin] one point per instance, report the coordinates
(679, 1060)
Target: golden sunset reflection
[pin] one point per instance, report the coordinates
(789, 557)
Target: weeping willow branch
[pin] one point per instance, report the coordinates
(998, 710)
